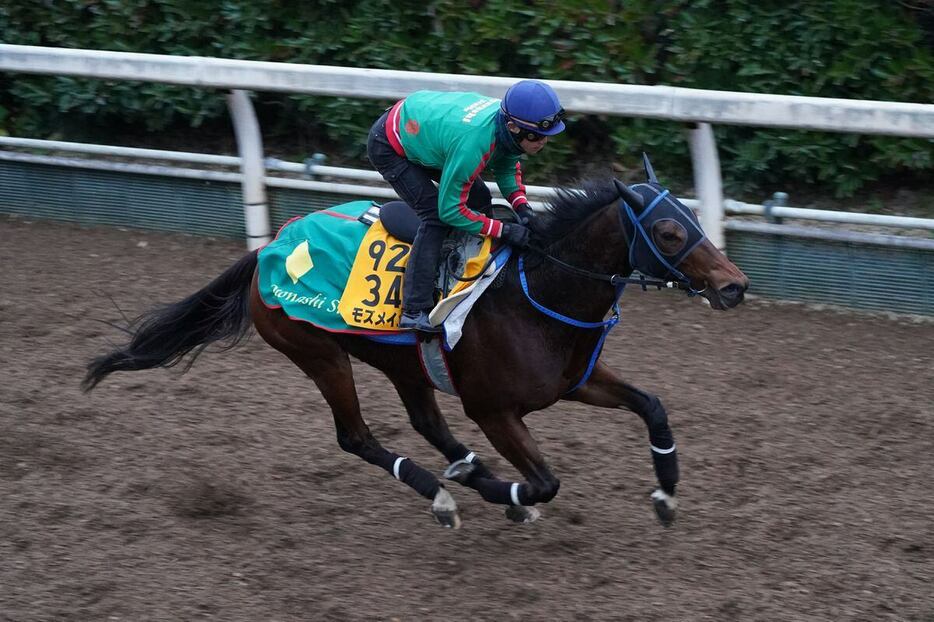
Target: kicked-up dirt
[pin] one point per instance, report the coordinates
(806, 440)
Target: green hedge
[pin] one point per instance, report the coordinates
(859, 49)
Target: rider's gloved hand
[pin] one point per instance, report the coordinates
(516, 235)
(524, 217)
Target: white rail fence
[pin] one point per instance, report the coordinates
(699, 107)
(311, 170)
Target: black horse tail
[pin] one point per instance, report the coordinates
(163, 336)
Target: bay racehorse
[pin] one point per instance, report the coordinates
(528, 343)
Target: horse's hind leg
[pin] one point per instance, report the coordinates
(464, 465)
(512, 439)
(335, 381)
(605, 388)
(327, 364)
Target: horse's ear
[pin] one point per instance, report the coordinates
(629, 195)
(649, 171)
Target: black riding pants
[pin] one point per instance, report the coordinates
(413, 183)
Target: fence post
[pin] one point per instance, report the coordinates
(707, 181)
(250, 147)
(779, 199)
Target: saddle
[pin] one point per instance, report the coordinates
(401, 221)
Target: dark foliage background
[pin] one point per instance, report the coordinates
(859, 49)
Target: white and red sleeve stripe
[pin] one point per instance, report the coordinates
(490, 227)
(518, 200)
(392, 128)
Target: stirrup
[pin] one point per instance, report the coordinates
(419, 322)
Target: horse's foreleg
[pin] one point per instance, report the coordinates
(464, 466)
(605, 388)
(513, 441)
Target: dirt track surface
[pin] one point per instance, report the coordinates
(806, 439)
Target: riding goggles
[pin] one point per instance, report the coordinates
(545, 124)
(532, 137)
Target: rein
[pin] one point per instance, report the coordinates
(612, 279)
(467, 279)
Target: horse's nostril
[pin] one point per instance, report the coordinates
(732, 293)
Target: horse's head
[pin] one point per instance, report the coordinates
(666, 242)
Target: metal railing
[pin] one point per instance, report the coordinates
(313, 169)
(197, 194)
(657, 102)
(700, 107)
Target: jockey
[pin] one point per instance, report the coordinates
(451, 138)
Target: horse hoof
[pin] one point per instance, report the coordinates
(445, 510)
(448, 520)
(459, 471)
(522, 514)
(665, 507)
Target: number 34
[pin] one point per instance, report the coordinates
(394, 293)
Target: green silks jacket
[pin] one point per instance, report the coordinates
(456, 133)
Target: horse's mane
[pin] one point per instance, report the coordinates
(571, 206)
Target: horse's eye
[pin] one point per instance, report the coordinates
(670, 236)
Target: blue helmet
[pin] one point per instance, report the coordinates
(534, 106)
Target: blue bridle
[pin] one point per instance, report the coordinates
(644, 256)
(606, 325)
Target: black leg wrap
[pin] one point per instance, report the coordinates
(662, 440)
(423, 482)
(498, 491)
(480, 471)
(457, 452)
(666, 470)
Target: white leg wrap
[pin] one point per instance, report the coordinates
(395, 467)
(470, 457)
(514, 494)
(661, 495)
(662, 451)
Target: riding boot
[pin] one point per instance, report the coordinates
(420, 275)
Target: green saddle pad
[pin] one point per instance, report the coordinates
(344, 275)
(304, 270)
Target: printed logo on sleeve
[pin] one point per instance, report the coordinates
(481, 104)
